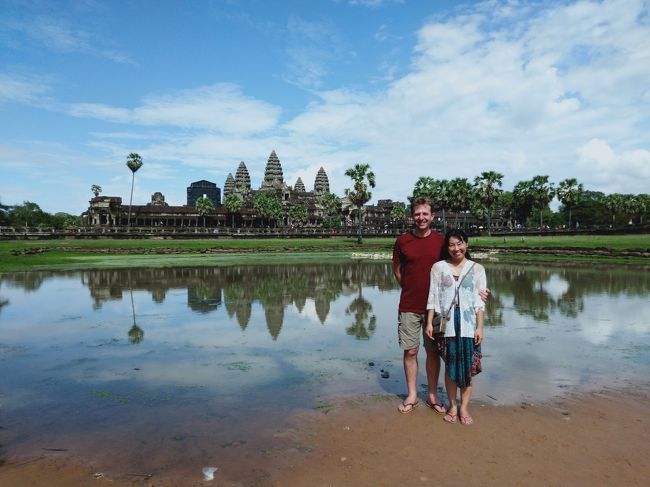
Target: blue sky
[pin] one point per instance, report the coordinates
(413, 88)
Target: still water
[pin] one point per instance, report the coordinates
(177, 358)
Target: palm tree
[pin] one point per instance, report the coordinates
(360, 194)
(486, 188)
(267, 205)
(96, 189)
(204, 206)
(233, 204)
(569, 192)
(614, 203)
(643, 201)
(133, 162)
(460, 193)
(543, 192)
(424, 187)
(136, 334)
(440, 198)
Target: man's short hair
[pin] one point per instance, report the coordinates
(421, 201)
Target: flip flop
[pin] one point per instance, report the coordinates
(438, 408)
(450, 418)
(410, 405)
(466, 420)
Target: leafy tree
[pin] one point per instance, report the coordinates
(267, 204)
(590, 210)
(487, 192)
(233, 203)
(204, 206)
(96, 189)
(523, 201)
(398, 213)
(28, 215)
(298, 214)
(359, 195)
(64, 220)
(331, 205)
(133, 162)
(4, 214)
(506, 208)
(569, 192)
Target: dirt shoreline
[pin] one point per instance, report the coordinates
(593, 439)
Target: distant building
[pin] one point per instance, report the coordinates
(109, 211)
(199, 188)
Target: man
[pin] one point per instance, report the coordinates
(413, 255)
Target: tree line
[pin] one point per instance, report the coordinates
(483, 199)
(527, 205)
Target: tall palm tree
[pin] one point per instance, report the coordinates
(614, 203)
(136, 334)
(569, 192)
(543, 192)
(133, 162)
(204, 206)
(359, 195)
(233, 204)
(460, 193)
(486, 187)
(440, 198)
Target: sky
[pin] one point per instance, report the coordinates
(413, 88)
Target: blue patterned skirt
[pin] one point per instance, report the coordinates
(462, 358)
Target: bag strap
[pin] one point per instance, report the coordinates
(456, 297)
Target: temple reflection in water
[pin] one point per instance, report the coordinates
(533, 291)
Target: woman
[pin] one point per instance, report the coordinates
(454, 294)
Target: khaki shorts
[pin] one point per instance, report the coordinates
(409, 328)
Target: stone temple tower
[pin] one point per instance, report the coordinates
(242, 179)
(229, 186)
(299, 186)
(322, 183)
(273, 173)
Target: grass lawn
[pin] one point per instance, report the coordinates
(614, 242)
(100, 253)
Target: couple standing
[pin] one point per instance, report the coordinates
(454, 287)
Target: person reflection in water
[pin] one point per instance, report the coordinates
(454, 293)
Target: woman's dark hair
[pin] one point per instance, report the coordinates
(460, 235)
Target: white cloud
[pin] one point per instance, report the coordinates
(57, 35)
(22, 89)
(610, 172)
(220, 107)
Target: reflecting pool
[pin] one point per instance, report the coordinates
(176, 358)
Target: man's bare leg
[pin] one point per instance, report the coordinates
(411, 373)
(433, 374)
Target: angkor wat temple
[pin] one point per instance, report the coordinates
(110, 210)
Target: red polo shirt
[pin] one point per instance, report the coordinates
(416, 255)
